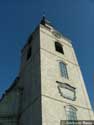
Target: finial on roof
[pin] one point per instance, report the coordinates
(44, 15)
(43, 18)
(45, 21)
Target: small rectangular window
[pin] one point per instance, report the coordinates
(59, 47)
(63, 68)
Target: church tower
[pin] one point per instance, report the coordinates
(50, 80)
(54, 89)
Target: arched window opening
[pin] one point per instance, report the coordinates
(71, 113)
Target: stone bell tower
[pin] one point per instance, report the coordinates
(50, 80)
(54, 86)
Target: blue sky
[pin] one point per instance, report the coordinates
(18, 18)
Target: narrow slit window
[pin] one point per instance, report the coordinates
(29, 53)
(64, 71)
(59, 47)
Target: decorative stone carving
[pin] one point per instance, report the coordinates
(56, 34)
(66, 91)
